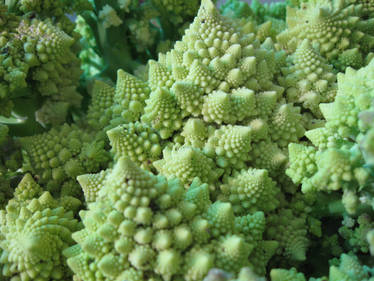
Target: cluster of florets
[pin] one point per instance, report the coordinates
(208, 114)
(145, 225)
(39, 62)
(35, 229)
(339, 29)
(190, 166)
(340, 159)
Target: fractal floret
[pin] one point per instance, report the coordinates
(58, 156)
(146, 227)
(209, 110)
(35, 229)
(175, 140)
(340, 159)
(40, 65)
(218, 79)
(341, 30)
(308, 78)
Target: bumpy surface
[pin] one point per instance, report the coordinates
(340, 29)
(241, 153)
(348, 268)
(61, 154)
(35, 229)
(40, 63)
(251, 190)
(137, 141)
(340, 160)
(218, 79)
(309, 78)
(210, 104)
(211, 107)
(144, 227)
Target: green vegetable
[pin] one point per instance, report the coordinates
(35, 229)
(140, 143)
(39, 61)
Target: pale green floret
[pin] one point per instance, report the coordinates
(323, 137)
(198, 264)
(217, 108)
(213, 107)
(202, 76)
(50, 7)
(199, 194)
(27, 189)
(342, 159)
(152, 225)
(269, 156)
(195, 132)
(137, 141)
(159, 75)
(309, 80)
(214, 97)
(244, 103)
(102, 99)
(286, 125)
(213, 56)
(35, 229)
(347, 269)
(162, 113)
(252, 226)
(302, 162)
(291, 233)
(186, 163)
(232, 253)
(130, 96)
(334, 167)
(234, 153)
(259, 129)
(261, 255)
(189, 98)
(61, 154)
(91, 184)
(250, 191)
(230, 146)
(221, 218)
(40, 63)
(333, 26)
(350, 58)
(266, 102)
